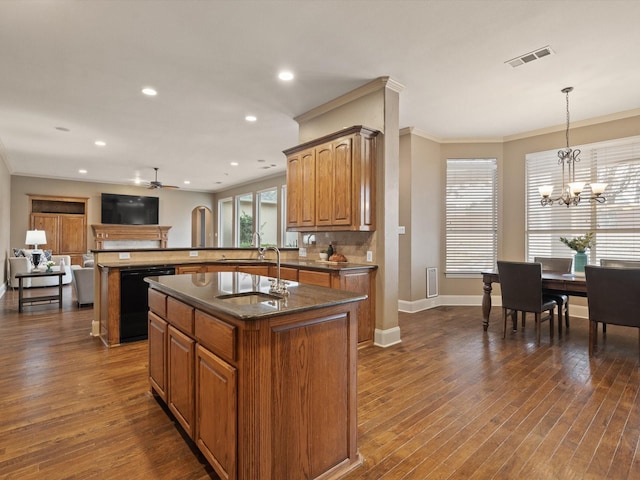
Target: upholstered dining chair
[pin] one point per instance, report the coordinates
(521, 290)
(614, 262)
(613, 295)
(560, 266)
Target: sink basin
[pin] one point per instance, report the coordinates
(248, 298)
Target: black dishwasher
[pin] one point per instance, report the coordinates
(134, 300)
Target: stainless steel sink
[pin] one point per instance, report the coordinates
(248, 298)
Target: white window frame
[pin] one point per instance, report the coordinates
(471, 216)
(615, 223)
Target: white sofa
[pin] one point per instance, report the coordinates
(23, 264)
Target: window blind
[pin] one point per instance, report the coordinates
(471, 216)
(615, 223)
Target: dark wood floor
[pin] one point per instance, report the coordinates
(449, 402)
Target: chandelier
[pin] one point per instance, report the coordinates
(571, 189)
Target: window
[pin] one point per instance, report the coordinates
(471, 216)
(244, 220)
(616, 223)
(267, 221)
(225, 222)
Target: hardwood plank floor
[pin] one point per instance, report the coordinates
(450, 401)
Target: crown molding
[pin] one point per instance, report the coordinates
(370, 87)
(519, 136)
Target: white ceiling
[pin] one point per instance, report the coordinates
(81, 65)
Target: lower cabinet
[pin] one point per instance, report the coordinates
(216, 404)
(158, 355)
(181, 366)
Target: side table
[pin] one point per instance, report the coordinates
(41, 298)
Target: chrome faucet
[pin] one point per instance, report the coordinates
(258, 244)
(277, 286)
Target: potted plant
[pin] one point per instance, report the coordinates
(324, 255)
(580, 245)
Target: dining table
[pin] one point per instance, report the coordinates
(561, 283)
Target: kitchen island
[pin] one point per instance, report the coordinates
(264, 385)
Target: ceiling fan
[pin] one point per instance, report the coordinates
(156, 184)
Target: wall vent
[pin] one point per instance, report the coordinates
(432, 282)
(530, 57)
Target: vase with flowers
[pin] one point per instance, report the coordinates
(580, 245)
(49, 266)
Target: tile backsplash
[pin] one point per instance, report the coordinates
(353, 245)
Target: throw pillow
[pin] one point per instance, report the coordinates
(18, 252)
(47, 255)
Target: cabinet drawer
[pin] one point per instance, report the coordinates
(180, 315)
(286, 273)
(311, 277)
(158, 302)
(216, 335)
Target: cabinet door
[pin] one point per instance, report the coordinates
(73, 234)
(216, 404)
(324, 184)
(180, 378)
(50, 223)
(157, 355)
(254, 269)
(308, 193)
(294, 191)
(342, 204)
(360, 282)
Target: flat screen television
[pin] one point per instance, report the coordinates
(129, 209)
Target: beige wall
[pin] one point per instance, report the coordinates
(421, 208)
(175, 205)
(417, 179)
(5, 220)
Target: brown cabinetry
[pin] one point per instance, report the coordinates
(64, 219)
(158, 354)
(331, 182)
(180, 378)
(217, 406)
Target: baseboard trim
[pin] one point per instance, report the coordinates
(405, 306)
(386, 338)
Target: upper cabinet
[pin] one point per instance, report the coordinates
(331, 182)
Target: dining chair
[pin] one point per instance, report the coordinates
(521, 290)
(613, 294)
(614, 262)
(560, 266)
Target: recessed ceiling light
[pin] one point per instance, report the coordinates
(149, 91)
(100, 143)
(285, 75)
(250, 118)
(187, 182)
(82, 170)
(234, 164)
(137, 181)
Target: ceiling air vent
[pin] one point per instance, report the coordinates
(530, 57)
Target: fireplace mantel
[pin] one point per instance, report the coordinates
(105, 233)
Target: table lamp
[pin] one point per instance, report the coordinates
(35, 238)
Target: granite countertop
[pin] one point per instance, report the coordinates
(306, 264)
(203, 291)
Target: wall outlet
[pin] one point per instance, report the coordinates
(401, 230)
(369, 256)
(193, 253)
(124, 255)
(302, 252)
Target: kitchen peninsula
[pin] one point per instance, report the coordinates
(264, 385)
(112, 264)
